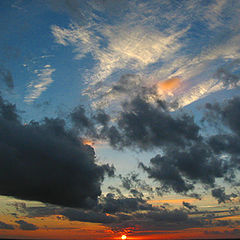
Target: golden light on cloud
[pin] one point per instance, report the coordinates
(168, 85)
(87, 142)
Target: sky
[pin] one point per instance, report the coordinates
(119, 117)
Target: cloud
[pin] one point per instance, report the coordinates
(227, 74)
(189, 206)
(168, 85)
(110, 204)
(81, 121)
(84, 40)
(26, 226)
(146, 40)
(46, 162)
(224, 117)
(133, 181)
(6, 226)
(36, 87)
(87, 216)
(144, 125)
(221, 196)
(135, 215)
(167, 174)
(180, 169)
(6, 77)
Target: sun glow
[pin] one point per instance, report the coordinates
(124, 237)
(168, 85)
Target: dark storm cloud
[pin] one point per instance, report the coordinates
(227, 113)
(145, 126)
(167, 174)
(6, 77)
(221, 196)
(87, 216)
(45, 162)
(8, 111)
(110, 204)
(81, 121)
(6, 226)
(139, 124)
(180, 169)
(26, 226)
(189, 206)
(187, 157)
(228, 140)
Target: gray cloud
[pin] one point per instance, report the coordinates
(87, 216)
(126, 214)
(179, 169)
(132, 180)
(189, 206)
(229, 73)
(227, 141)
(6, 77)
(110, 204)
(167, 174)
(227, 113)
(81, 121)
(221, 196)
(26, 226)
(4, 225)
(145, 126)
(46, 162)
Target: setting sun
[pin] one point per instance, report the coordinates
(124, 237)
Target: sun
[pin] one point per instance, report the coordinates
(124, 237)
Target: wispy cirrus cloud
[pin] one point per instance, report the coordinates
(36, 87)
(156, 41)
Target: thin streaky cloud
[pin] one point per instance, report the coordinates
(37, 87)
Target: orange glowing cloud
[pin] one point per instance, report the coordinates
(168, 85)
(87, 142)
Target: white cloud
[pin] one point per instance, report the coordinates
(157, 44)
(36, 87)
(80, 37)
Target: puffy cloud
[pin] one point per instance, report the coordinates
(179, 169)
(46, 162)
(145, 125)
(225, 118)
(221, 196)
(167, 174)
(81, 121)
